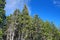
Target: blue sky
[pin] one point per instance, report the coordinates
(46, 9)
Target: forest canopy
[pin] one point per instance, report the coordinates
(22, 26)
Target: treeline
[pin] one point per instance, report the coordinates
(21, 26)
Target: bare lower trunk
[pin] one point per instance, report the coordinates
(10, 36)
(20, 36)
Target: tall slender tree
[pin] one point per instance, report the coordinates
(26, 21)
(36, 25)
(2, 15)
(17, 18)
(13, 29)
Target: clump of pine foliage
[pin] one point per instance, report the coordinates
(21, 26)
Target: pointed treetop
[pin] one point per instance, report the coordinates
(17, 12)
(25, 10)
(25, 6)
(36, 16)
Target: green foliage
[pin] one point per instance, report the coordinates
(2, 13)
(1, 33)
(29, 28)
(25, 26)
(2, 1)
(0, 20)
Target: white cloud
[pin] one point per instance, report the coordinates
(11, 5)
(56, 2)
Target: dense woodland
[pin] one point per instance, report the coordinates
(22, 26)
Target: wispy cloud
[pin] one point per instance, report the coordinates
(56, 2)
(11, 5)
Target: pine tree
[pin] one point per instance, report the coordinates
(55, 32)
(36, 25)
(2, 16)
(17, 16)
(47, 31)
(21, 26)
(13, 29)
(2, 13)
(26, 21)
